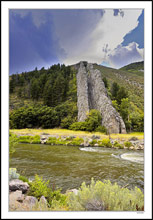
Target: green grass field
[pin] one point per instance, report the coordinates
(56, 131)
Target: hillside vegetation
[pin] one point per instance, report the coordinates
(47, 98)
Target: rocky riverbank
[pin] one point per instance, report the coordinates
(132, 143)
(19, 200)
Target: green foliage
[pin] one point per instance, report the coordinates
(91, 123)
(25, 139)
(76, 141)
(121, 94)
(13, 141)
(104, 143)
(93, 120)
(127, 144)
(67, 121)
(78, 126)
(124, 112)
(29, 139)
(51, 140)
(68, 141)
(56, 199)
(134, 66)
(118, 145)
(34, 89)
(13, 174)
(105, 196)
(114, 90)
(24, 179)
(39, 187)
(101, 129)
(115, 105)
(105, 82)
(137, 121)
(56, 88)
(34, 116)
(93, 142)
(36, 140)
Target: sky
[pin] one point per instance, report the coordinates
(43, 37)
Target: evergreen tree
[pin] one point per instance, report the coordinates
(121, 94)
(114, 90)
(34, 89)
(48, 95)
(105, 82)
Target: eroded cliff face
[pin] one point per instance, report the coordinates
(92, 94)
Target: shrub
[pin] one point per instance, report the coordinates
(93, 142)
(51, 140)
(25, 139)
(56, 198)
(118, 145)
(101, 129)
(24, 179)
(93, 120)
(105, 196)
(38, 187)
(13, 141)
(13, 174)
(78, 126)
(76, 141)
(36, 139)
(66, 122)
(33, 116)
(127, 144)
(90, 124)
(105, 143)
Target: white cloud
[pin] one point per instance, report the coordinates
(38, 16)
(104, 38)
(123, 55)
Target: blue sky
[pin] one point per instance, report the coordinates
(41, 38)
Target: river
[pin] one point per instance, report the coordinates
(67, 167)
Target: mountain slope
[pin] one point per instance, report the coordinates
(54, 92)
(133, 82)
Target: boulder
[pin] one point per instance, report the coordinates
(16, 196)
(75, 191)
(95, 137)
(43, 203)
(17, 184)
(30, 201)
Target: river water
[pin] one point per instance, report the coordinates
(67, 167)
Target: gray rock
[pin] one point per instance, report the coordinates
(92, 94)
(17, 196)
(95, 137)
(30, 200)
(75, 191)
(43, 200)
(18, 185)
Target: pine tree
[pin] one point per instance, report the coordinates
(34, 89)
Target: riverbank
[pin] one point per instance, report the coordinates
(133, 141)
(38, 196)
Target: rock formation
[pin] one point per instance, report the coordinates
(92, 94)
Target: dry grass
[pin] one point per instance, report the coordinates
(26, 131)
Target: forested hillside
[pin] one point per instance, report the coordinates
(134, 67)
(47, 98)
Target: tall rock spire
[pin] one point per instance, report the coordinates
(92, 94)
